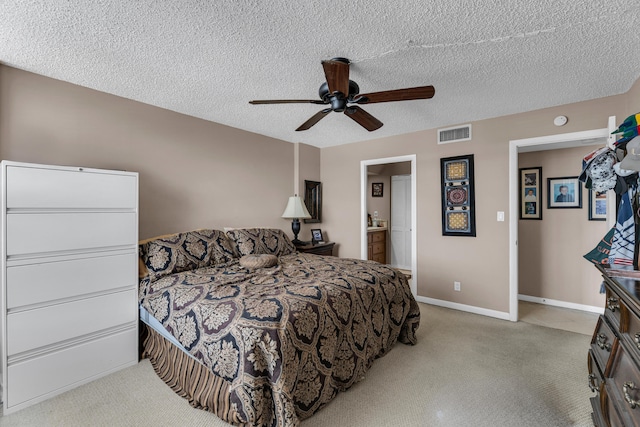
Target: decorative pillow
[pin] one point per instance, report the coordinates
(258, 260)
(248, 241)
(183, 251)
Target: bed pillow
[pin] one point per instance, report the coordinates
(258, 261)
(169, 254)
(272, 241)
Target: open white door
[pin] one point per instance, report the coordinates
(400, 229)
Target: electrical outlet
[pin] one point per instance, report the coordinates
(456, 286)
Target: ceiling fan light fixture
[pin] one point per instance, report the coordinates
(339, 91)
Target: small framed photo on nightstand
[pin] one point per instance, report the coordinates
(316, 235)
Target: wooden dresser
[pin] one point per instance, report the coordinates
(377, 246)
(69, 278)
(614, 356)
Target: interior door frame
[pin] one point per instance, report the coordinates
(364, 164)
(548, 142)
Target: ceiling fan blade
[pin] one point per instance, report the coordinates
(314, 119)
(363, 118)
(288, 101)
(421, 92)
(337, 75)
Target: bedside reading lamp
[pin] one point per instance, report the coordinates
(295, 210)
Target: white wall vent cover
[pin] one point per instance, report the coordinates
(455, 134)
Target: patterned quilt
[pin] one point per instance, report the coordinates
(289, 337)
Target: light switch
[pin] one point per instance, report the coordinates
(500, 216)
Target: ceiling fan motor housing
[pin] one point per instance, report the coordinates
(338, 100)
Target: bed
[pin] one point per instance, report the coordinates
(243, 325)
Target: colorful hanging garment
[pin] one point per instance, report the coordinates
(622, 249)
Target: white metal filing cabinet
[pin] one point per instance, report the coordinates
(69, 278)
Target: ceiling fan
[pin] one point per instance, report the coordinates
(344, 96)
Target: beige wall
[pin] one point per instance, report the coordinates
(481, 264)
(550, 250)
(193, 173)
(309, 170)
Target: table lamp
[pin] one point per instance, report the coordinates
(295, 210)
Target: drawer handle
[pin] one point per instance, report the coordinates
(592, 383)
(612, 304)
(625, 389)
(601, 341)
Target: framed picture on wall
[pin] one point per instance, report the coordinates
(530, 193)
(597, 205)
(376, 189)
(563, 193)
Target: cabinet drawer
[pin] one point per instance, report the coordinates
(31, 187)
(41, 377)
(625, 386)
(612, 307)
(30, 329)
(378, 248)
(611, 413)
(596, 377)
(36, 233)
(379, 258)
(602, 343)
(377, 236)
(38, 283)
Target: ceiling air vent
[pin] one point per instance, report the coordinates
(456, 134)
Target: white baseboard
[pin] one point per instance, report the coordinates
(563, 304)
(463, 307)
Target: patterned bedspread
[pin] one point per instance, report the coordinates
(289, 337)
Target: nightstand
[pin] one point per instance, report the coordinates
(318, 249)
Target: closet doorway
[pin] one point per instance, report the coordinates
(408, 226)
(567, 140)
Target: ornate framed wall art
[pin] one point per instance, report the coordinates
(530, 193)
(458, 198)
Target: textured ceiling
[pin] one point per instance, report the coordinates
(209, 58)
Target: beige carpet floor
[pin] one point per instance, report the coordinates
(466, 370)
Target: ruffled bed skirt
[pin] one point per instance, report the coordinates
(189, 378)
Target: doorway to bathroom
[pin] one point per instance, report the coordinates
(388, 189)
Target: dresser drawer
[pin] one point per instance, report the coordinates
(31, 380)
(612, 307)
(625, 386)
(36, 233)
(611, 414)
(602, 343)
(48, 281)
(596, 377)
(32, 187)
(31, 329)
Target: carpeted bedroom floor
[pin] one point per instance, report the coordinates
(466, 370)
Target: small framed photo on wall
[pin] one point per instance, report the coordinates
(563, 193)
(597, 205)
(376, 189)
(530, 193)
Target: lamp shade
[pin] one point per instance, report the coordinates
(296, 208)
